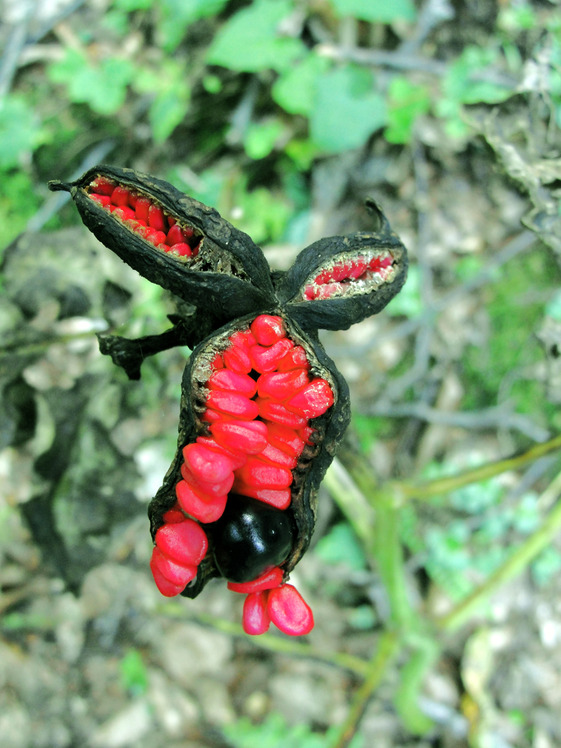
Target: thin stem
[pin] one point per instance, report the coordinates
(513, 566)
(432, 488)
(388, 648)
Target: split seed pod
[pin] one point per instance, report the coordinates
(263, 408)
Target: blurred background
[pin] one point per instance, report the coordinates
(434, 572)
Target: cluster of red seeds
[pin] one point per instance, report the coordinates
(261, 397)
(145, 217)
(336, 280)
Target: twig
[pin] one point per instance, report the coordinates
(480, 419)
(513, 566)
(386, 652)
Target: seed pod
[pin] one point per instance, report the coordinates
(262, 406)
(225, 271)
(310, 461)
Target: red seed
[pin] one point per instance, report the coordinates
(231, 381)
(177, 574)
(102, 186)
(207, 491)
(203, 511)
(120, 197)
(242, 339)
(267, 329)
(236, 458)
(184, 542)
(173, 515)
(143, 205)
(310, 292)
(249, 437)
(282, 385)
(313, 400)
(255, 617)
(261, 474)
(279, 498)
(182, 250)
(266, 359)
(164, 586)
(205, 464)
(278, 457)
(341, 271)
(285, 438)
(156, 218)
(103, 200)
(163, 248)
(237, 359)
(267, 581)
(294, 359)
(124, 213)
(377, 263)
(233, 404)
(210, 416)
(269, 410)
(289, 611)
(217, 362)
(306, 434)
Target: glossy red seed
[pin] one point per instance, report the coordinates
(261, 474)
(124, 213)
(294, 359)
(310, 292)
(289, 611)
(242, 339)
(278, 457)
(267, 329)
(142, 207)
(313, 400)
(217, 362)
(207, 491)
(255, 616)
(182, 250)
(236, 458)
(267, 581)
(341, 271)
(237, 359)
(184, 542)
(249, 437)
(305, 433)
(285, 438)
(211, 416)
(279, 498)
(205, 464)
(232, 404)
(265, 359)
(120, 196)
(173, 515)
(203, 511)
(232, 381)
(177, 574)
(175, 235)
(270, 410)
(156, 218)
(103, 200)
(102, 186)
(282, 385)
(165, 587)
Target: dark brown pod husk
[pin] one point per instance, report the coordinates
(229, 274)
(312, 464)
(320, 292)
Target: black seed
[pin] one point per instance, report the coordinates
(249, 538)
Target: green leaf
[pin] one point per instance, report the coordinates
(134, 675)
(19, 130)
(103, 86)
(295, 88)
(347, 109)
(376, 11)
(260, 138)
(406, 102)
(178, 15)
(251, 41)
(166, 112)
